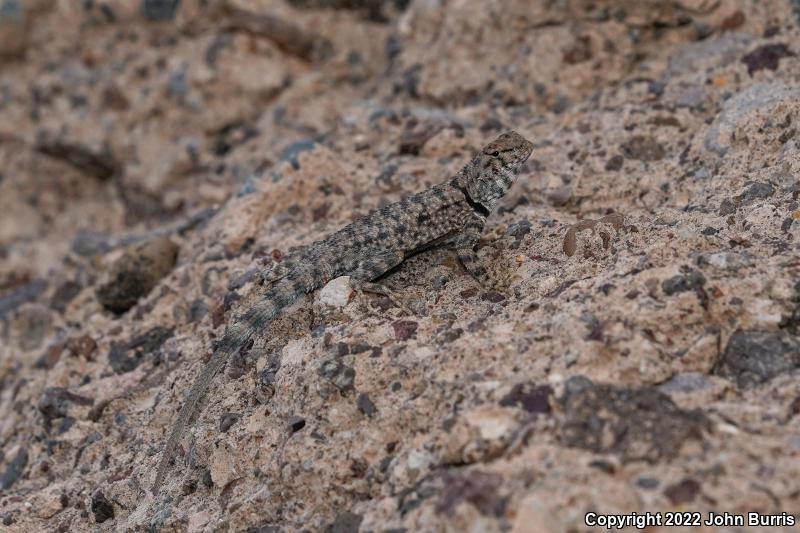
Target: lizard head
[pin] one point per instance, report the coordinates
(492, 173)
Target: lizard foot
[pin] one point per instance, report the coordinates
(362, 287)
(497, 284)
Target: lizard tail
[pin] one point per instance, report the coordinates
(187, 411)
(237, 335)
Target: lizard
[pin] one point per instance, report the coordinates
(453, 213)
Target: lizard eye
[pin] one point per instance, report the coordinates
(495, 153)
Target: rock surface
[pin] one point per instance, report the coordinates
(643, 355)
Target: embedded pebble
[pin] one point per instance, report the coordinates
(227, 421)
(346, 522)
(643, 148)
(755, 357)
(766, 57)
(64, 294)
(292, 152)
(14, 469)
(479, 434)
(404, 329)
(762, 97)
(296, 423)
(682, 492)
(756, 191)
(481, 489)
(126, 356)
(714, 51)
(615, 163)
(102, 509)
(365, 405)
(198, 309)
(532, 398)
(134, 275)
(36, 323)
(335, 371)
(634, 423)
(223, 467)
(731, 260)
(336, 293)
(683, 282)
(685, 383)
(16, 298)
(83, 346)
(160, 9)
(56, 401)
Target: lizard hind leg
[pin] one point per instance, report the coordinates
(362, 278)
(361, 287)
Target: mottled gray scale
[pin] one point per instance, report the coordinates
(452, 212)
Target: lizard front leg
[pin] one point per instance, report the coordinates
(465, 244)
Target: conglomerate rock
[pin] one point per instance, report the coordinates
(653, 366)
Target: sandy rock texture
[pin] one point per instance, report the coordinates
(644, 354)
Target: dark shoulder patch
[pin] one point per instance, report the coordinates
(476, 206)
